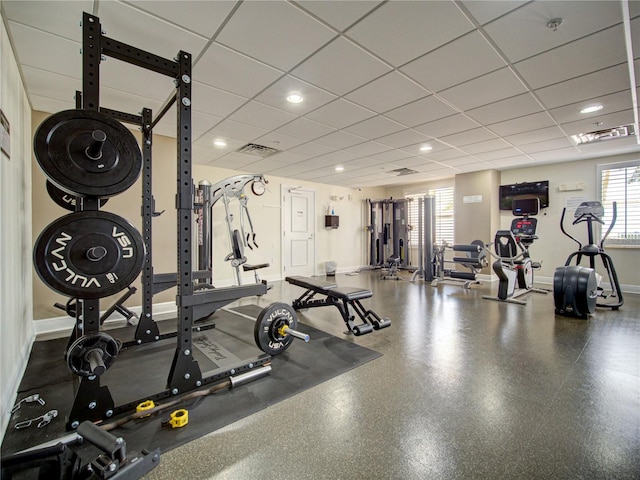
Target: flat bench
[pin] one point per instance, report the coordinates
(342, 298)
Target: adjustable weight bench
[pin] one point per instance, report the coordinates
(341, 298)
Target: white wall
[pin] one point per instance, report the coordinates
(16, 329)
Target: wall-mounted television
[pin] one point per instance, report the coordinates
(539, 190)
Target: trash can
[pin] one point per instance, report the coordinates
(330, 268)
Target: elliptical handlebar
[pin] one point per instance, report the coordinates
(564, 210)
(611, 225)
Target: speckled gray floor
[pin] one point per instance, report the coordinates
(466, 388)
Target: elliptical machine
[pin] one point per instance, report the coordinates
(513, 265)
(576, 289)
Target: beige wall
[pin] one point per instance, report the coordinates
(16, 328)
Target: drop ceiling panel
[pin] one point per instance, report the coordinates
(513, 107)
(50, 105)
(214, 101)
(390, 156)
(59, 55)
(596, 84)
(560, 154)
(523, 33)
(484, 90)
(340, 67)
(401, 31)
(312, 149)
(446, 155)
(447, 126)
(340, 139)
(421, 111)
(510, 162)
(600, 50)
(339, 15)
(491, 156)
(64, 19)
(488, 10)
(548, 145)
(485, 146)
(340, 113)
(535, 136)
(305, 129)
(200, 17)
(134, 27)
(276, 95)
(367, 161)
(51, 85)
(387, 92)
(442, 68)
(129, 78)
(367, 148)
(263, 116)
(459, 161)
(233, 72)
(611, 104)
(468, 137)
(523, 124)
(278, 140)
(281, 35)
(374, 127)
(403, 138)
(236, 130)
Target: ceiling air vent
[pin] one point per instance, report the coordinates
(402, 171)
(257, 150)
(602, 135)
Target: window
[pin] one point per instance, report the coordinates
(620, 183)
(444, 215)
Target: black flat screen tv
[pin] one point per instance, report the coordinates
(539, 190)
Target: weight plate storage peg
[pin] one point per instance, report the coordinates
(92, 354)
(90, 254)
(270, 328)
(87, 153)
(64, 200)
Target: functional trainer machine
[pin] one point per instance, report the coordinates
(513, 265)
(389, 234)
(576, 289)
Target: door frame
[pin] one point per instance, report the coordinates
(285, 193)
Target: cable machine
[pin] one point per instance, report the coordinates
(389, 232)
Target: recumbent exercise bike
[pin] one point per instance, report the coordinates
(513, 265)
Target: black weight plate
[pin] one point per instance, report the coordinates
(265, 332)
(100, 343)
(63, 199)
(61, 143)
(90, 254)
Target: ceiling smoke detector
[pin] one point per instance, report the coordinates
(402, 171)
(258, 150)
(606, 134)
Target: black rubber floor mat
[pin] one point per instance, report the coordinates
(301, 366)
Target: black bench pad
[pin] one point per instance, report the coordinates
(349, 293)
(310, 283)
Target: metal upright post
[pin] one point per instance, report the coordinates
(185, 372)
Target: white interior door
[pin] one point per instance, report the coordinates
(298, 231)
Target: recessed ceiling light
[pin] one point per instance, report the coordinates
(339, 169)
(591, 109)
(294, 97)
(426, 148)
(219, 143)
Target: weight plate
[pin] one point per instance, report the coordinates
(87, 153)
(90, 254)
(63, 199)
(270, 320)
(92, 354)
